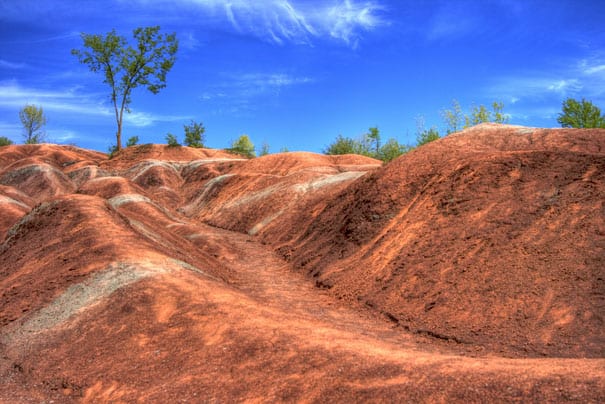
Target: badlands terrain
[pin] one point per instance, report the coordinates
(471, 269)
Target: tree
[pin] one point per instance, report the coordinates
(427, 136)
(194, 134)
(423, 135)
(392, 149)
(498, 115)
(373, 140)
(264, 150)
(126, 67)
(33, 120)
(583, 114)
(453, 117)
(244, 146)
(345, 145)
(4, 141)
(132, 141)
(171, 140)
(479, 114)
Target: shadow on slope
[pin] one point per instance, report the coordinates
(494, 236)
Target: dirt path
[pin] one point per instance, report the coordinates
(305, 310)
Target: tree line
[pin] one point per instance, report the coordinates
(125, 67)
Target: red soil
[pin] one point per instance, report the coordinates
(442, 275)
(493, 237)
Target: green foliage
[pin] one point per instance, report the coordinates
(284, 149)
(244, 146)
(194, 134)
(132, 141)
(33, 121)
(456, 120)
(126, 68)
(112, 151)
(392, 149)
(4, 141)
(453, 117)
(498, 113)
(366, 147)
(171, 140)
(264, 150)
(582, 114)
(480, 114)
(427, 136)
(344, 145)
(373, 141)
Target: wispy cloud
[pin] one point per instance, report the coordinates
(5, 64)
(239, 94)
(538, 94)
(249, 85)
(289, 21)
(144, 119)
(585, 78)
(72, 100)
(450, 21)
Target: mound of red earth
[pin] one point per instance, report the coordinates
(493, 237)
(469, 269)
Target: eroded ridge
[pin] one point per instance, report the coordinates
(469, 269)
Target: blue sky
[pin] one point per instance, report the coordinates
(296, 73)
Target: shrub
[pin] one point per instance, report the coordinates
(194, 134)
(4, 141)
(172, 140)
(132, 141)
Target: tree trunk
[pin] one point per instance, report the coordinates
(119, 137)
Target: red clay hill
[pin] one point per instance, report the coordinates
(471, 269)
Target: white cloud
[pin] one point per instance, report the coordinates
(143, 119)
(583, 78)
(10, 130)
(565, 86)
(592, 67)
(281, 21)
(450, 21)
(345, 20)
(241, 94)
(513, 89)
(5, 64)
(12, 95)
(62, 135)
(595, 69)
(249, 85)
(187, 40)
(538, 94)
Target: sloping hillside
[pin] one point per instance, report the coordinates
(177, 274)
(494, 236)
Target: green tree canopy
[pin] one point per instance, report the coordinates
(194, 134)
(346, 145)
(392, 149)
(244, 146)
(264, 150)
(366, 147)
(126, 68)
(456, 120)
(4, 141)
(453, 117)
(171, 140)
(33, 121)
(580, 114)
(132, 141)
(373, 140)
(427, 136)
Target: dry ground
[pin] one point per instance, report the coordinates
(471, 269)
